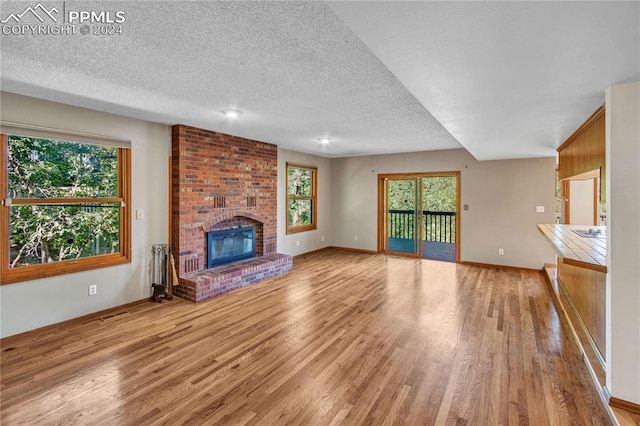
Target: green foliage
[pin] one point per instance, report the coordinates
(402, 194)
(42, 168)
(438, 195)
(299, 182)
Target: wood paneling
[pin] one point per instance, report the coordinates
(587, 290)
(584, 150)
(345, 338)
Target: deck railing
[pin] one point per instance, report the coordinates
(436, 226)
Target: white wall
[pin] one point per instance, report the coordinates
(502, 197)
(623, 242)
(33, 304)
(303, 242)
(581, 202)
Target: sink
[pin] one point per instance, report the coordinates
(590, 233)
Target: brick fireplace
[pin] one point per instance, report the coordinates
(221, 182)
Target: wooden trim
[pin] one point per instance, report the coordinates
(567, 201)
(313, 198)
(491, 265)
(297, 229)
(417, 174)
(585, 265)
(4, 210)
(356, 250)
(125, 221)
(458, 218)
(36, 272)
(301, 166)
(381, 210)
(624, 405)
(170, 198)
(596, 200)
(588, 123)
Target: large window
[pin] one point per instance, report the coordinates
(301, 198)
(64, 207)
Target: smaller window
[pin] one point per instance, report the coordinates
(301, 198)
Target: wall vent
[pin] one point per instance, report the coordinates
(251, 201)
(219, 202)
(191, 264)
(111, 316)
(271, 247)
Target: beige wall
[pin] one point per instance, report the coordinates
(623, 242)
(502, 197)
(303, 242)
(33, 304)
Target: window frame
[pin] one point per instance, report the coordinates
(313, 197)
(10, 275)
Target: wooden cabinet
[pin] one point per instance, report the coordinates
(584, 151)
(587, 290)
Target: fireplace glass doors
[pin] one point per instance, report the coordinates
(230, 245)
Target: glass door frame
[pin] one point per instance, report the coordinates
(382, 209)
(417, 216)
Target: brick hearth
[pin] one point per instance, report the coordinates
(203, 285)
(220, 182)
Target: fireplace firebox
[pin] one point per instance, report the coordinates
(230, 245)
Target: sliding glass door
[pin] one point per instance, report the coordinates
(418, 215)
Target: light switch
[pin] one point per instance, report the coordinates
(466, 207)
(540, 209)
(139, 214)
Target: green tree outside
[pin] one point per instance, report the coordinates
(43, 168)
(438, 195)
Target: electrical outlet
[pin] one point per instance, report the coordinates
(355, 238)
(139, 214)
(93, 290)
(298, 243)
(322, 238)
(540, 209)
(501, 252)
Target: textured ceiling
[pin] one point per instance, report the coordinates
(505, 79)
(294, 69)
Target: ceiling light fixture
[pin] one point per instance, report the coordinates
(324, 140)
(232, 113)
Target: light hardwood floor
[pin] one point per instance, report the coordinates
(345, 338)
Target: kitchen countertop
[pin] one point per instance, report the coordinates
(585, 252)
